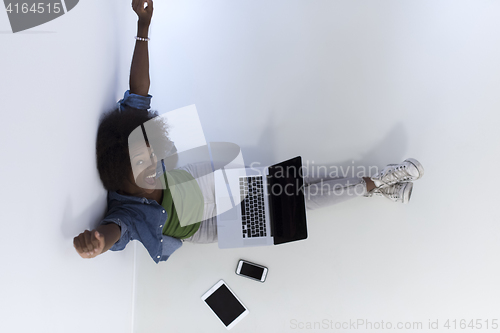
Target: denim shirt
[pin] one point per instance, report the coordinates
(140, 218)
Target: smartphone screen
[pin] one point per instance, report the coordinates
(251, 271)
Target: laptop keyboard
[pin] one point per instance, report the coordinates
(252, 207)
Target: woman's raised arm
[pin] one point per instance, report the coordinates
(139, 70)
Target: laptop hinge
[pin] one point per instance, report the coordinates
(270, 202)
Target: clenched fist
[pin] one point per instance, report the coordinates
(89, 244)
(144, 13)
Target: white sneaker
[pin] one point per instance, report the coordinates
(408, 171)
(400, 192)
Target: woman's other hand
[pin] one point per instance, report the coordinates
(89, 244)
(144, 14)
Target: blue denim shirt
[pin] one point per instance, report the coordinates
(140, 218)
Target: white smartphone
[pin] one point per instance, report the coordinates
(224, 304)
(251, 270)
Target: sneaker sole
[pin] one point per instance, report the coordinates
(407, 192)
(417, 165)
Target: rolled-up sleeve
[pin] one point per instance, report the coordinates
(124, 236)
(135, 101)
(169, 246)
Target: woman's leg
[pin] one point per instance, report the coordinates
(327, 192)
(322, 190)
(394, 182)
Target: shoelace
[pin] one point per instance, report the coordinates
(390, 192)
(393, 191)
(396, 174)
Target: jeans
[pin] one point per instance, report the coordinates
(319, 191)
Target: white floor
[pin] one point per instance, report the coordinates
(342, 83)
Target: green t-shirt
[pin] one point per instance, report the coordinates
(184, 203)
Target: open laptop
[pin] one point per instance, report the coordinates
(260, 206)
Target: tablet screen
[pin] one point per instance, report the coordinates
(225, 305)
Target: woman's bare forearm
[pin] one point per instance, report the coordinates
(111, 232)
(139, 70)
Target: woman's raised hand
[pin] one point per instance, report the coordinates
(144, 14)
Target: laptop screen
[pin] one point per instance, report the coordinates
(286, 201)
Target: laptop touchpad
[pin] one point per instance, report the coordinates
(256, 241)
(229, 215)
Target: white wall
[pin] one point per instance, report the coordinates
(372, 82)
(56, 80)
